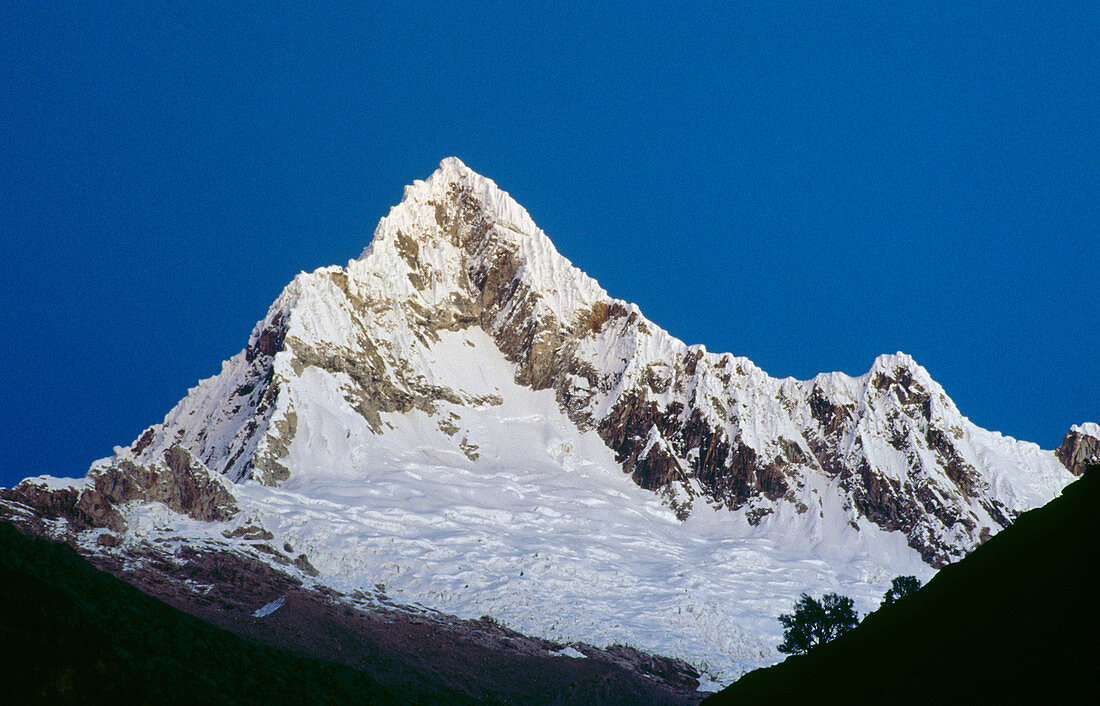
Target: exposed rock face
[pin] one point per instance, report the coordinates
(179, 481)
(222, 421)
(1080, 447)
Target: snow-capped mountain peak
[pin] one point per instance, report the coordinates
(459, 254)
(460, 401)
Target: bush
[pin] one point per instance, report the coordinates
(901, 587)
(815, 622)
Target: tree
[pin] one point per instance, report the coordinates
(901, 587)
(815, 622)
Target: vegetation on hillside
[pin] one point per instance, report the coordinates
(815, 622)
(900, 587)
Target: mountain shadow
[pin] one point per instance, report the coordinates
(1015, 621)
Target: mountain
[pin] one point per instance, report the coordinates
(463, 420)
(1013, 622)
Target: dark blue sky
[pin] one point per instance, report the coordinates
(807, 187)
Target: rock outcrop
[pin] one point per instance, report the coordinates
(1080, 447)
(179, 481)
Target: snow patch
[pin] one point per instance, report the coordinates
(269, 608)
(1088, 429)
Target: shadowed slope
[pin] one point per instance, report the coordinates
(1017, 619)
(72, 634)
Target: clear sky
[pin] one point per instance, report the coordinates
(807, 187)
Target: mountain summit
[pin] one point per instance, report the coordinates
(464, 416)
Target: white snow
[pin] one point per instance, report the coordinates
(269, 608)
(46, 482)
(1088, 429)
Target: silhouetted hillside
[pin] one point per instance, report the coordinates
(1014, 621)
(72, 634)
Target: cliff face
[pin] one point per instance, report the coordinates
(460, 356)
(1080, 447)
(176, 480)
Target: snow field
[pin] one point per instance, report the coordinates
(543, 530)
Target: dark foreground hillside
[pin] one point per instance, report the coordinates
(71, 633)
(1015, 621)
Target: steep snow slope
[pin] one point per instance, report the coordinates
(451, 415)
(529, 520)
